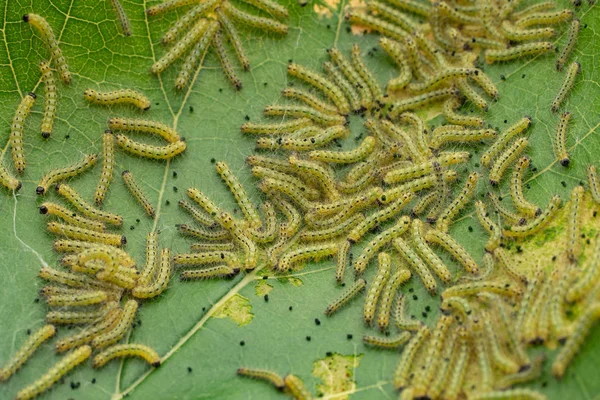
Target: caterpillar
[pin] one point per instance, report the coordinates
(253, 21)
(571, 75)
(16, 131)
(538, 223)
(565, 53)
(450, 245)
(333, 232)
(401, 322)
(219, 46)
(203, 201)
(516, 34)
(442, 376)
(271, 186)
(190, 38)
(376, 287)
(593, 182)
(424, 203)
(50, 99)
(70, 217)
(61, 174)
(345, 297)
(391, 14)
(416, 263)
(516, 190)
(108, 165)
(7, 180)
(135, 190)
(218, 271)
(515, 129)
(319, 173)
(509, 394)
(241, 196)
(340, 81)
(460, 136)
(168, 5)
(198, 215)
(507, 158)
(526, 375)
(366, 98)
(149, 288)
(141, 125)
(442, 193)
(187, 19)
(364, 72)
(548, 18)
(309, 192)
(272, 377)
(148, 151)
(310, 100)
(294, 219)
(582, 327)
(453, 117)
(127, 350)
(69, 279)
(32, 343)
(377, 24)
(442, 77)
(414, 186)
(77, 298)
(45, 30)
(149, 269)
(60, 369)
(458, 203)
(402, 372)
(332, 91)
(457, 305)
(391, 342)
(397, 53)
(469, 289)
(418, 170)
(388, 294)
(421, 100)
(573, 224)
(207, 257)
(79, 317)
(378, 217)
(438, 339)
(85, 208)
(275, 129)
(510, 217)
(198, 51)
(119, 330)
(348, 208)
(241, 238)
(343, 256)
(560, 141)
(399, 134)
(419, 125)
(588, 278)
(489, 226)
(526, 306)
(345, 157)
(518, 51)
(471, 94)
(296, 387)
(268, 232)
(459, 367)
(306, 253)
(77, 246)
(301, 112)
(77, 233)
(502, 361)
(425, 252)
(122, 16)
(120, 96)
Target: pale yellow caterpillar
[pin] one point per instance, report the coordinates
(547, 18)
(489, 226)
(458, 203)
(420, 129)
(471, 94)
(418, 170)
(593, 182)
(515, 34)
(469, 289)
(296, 387)
(32, 343)
(168, 5)
(77, 246)
(333, 92)
(190, 38)
(333, 232)
(571, 75)
(123, 20)
(343, 256)
(588, 279)
(397, 52)
(345, 157)
(364, 72)
(414, 186)
(388, 293)
(148, 151)
(253, 21)
(146, 353)
(135, 190)
(401, 322)
(241, 238)
(120, 96)
(77, 297)
(400, 135)
(302, 112)
(345, 297)
(366, 97)
(453, 117)
(450, 245)
(77, 233)
(503, 139)
(241, 196)
(518, 51)
(560, 140)
(60, 369)
(85, 208)
(218, 271)
(70, 217)
(79, 317)
(324, 176)
(50, 99)
(45, 30)
(187, 19)
(275, 129)
(376, 287)
(507, 158)
(425, 252)
(516, 190)
(538, 223)
(142, 125)
(565, 53)
(219, 46)
(16, 131)
(377, 24)
(108, 165)
(119, 330)
(387, 342)
(61, 174)
(415, 102)
(269, 376)
(340, 81)
(207, 257)
(313, 252)
(402, 372)
(309, 99)
(199, 50)
(416, 263)
(7, 180)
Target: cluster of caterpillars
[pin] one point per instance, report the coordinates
(389, 200)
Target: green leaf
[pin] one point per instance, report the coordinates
(204, 352)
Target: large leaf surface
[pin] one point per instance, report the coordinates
(206, 351)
